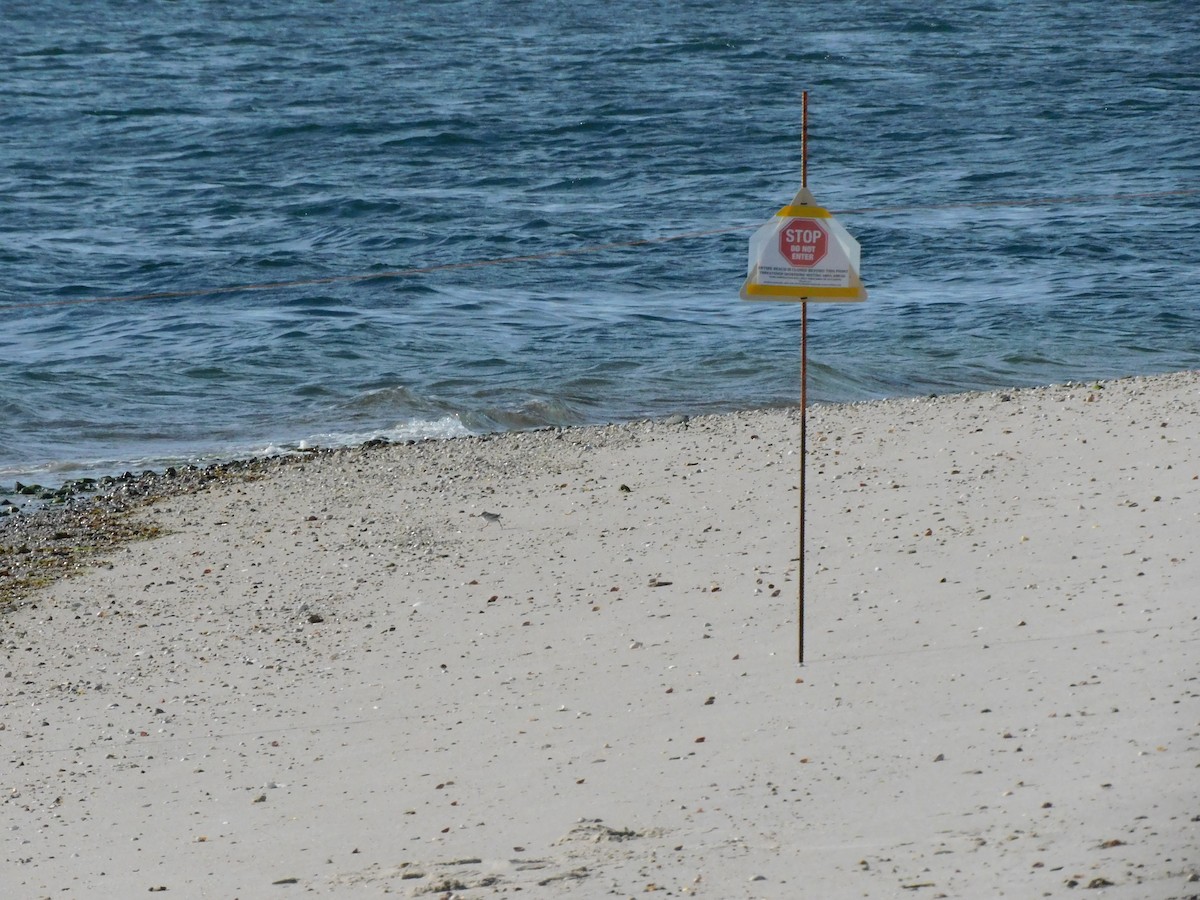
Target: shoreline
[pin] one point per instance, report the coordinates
(341, 675)
(82, 518)
(99, 482)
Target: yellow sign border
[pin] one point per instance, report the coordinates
(788, 292)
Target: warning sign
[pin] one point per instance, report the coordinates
(803, 242)
(803, 254)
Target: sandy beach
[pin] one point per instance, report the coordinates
(339, 679)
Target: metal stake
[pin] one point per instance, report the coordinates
(803, 391)
(803, 458)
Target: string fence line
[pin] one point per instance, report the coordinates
(569, 251)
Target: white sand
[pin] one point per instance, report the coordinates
(599, 695)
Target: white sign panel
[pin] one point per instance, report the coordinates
(803, 254)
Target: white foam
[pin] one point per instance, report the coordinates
(409, 430)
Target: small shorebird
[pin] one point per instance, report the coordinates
(489, 518)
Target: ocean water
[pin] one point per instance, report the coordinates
(556, 199)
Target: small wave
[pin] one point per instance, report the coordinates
(136, 112)
(928, 26)
(410, 430)
(537, 413)
(439, 140)
(395, 400)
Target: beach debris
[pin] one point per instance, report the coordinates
(446, 885)
(595, 831)
(578, 874)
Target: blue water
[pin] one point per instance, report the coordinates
(177, 147)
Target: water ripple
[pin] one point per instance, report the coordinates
(175, 150)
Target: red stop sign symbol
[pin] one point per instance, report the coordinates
(803, 242)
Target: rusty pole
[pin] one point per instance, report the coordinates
(803, 391)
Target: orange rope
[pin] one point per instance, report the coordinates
(1032, 201)
(571, 251)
